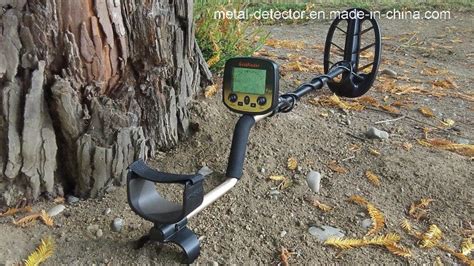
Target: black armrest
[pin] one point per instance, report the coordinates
(145, 200)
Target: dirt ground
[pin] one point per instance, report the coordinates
(246, 225)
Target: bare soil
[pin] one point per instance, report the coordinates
(245, 225)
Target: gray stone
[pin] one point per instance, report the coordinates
(314, 181)
(117, 224)
(56, 210)
(99, 233)
(388, 72)
(205, 171)
(374, 133)
(366, 223)
(324, 232)
(72, 199)
(283, 233)
(107, 211)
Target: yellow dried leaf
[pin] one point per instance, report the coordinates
(447, 122)
(390, 109)
(463, 258)
(431, 237)
(214, 59)
(210, 91)
(42, 252)
(378, 220)
(344, 243)
(419, 210)
(27, 219)
(426, 111)
(286, 183)
(398, 250)
(367, 100)
(387, 239)
(292, 163)
(47, 220)
(288, 44)
(447, 83)
(337, 168)
(373, 178)
(358, 200)
(407, 146)
(277, 177)
(374, 152)
(467, 246)
(285, 255)
(59, 200)
(13, 211)
(462, 149)
(335, 101)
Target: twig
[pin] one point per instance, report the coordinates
(407, 42)
(390, 120)
(348, 158)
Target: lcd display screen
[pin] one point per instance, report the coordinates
(249, 80)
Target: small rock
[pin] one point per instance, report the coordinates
(99, 233)
(205, 171)
(274, 192)
(374, 133)
(107, 211)
(314, 179)
(93, 228)
(389, 73)
(71, 199)
(117, 225)
(366, 223)
(283, 233)
(56, 210)
(324, 232)
(262, 170)
(248, 227)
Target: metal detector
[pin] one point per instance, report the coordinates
(250, 87)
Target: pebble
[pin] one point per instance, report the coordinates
(93, 228)
(314, 181)
(366, 223)
(283, 233)
(72, 199)
(99, 233)
(324, 232)
(388, 72)
(262, 170)
(374, 133)
(117, 225)
(56, 210)
(107, 211)
(205, 171)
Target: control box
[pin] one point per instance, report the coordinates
(250, 85)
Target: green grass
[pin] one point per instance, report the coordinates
(221, 39)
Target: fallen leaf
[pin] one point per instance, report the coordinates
(419, 210)
(399, 250)
(27, 220)
(358, 200)
(447, 83)
(374, 152)
(47, 220)
(13, 211)
(42, 252)
(316, 203)
(378, 220)
(462, 149)
(292, 163)
(447, 122)
(373, 178)
(407, 146)
(426, 111)
(467, 246)
(210, 91)
(390, 109)
(286, 183)
(277, 177)
(431, 237)
(335, 101)
(337, 168)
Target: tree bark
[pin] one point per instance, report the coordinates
(87, 87)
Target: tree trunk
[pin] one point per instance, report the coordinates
(87, 87)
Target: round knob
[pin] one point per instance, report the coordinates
(262, 100)
(233, 98)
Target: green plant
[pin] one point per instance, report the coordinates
(223, 38)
